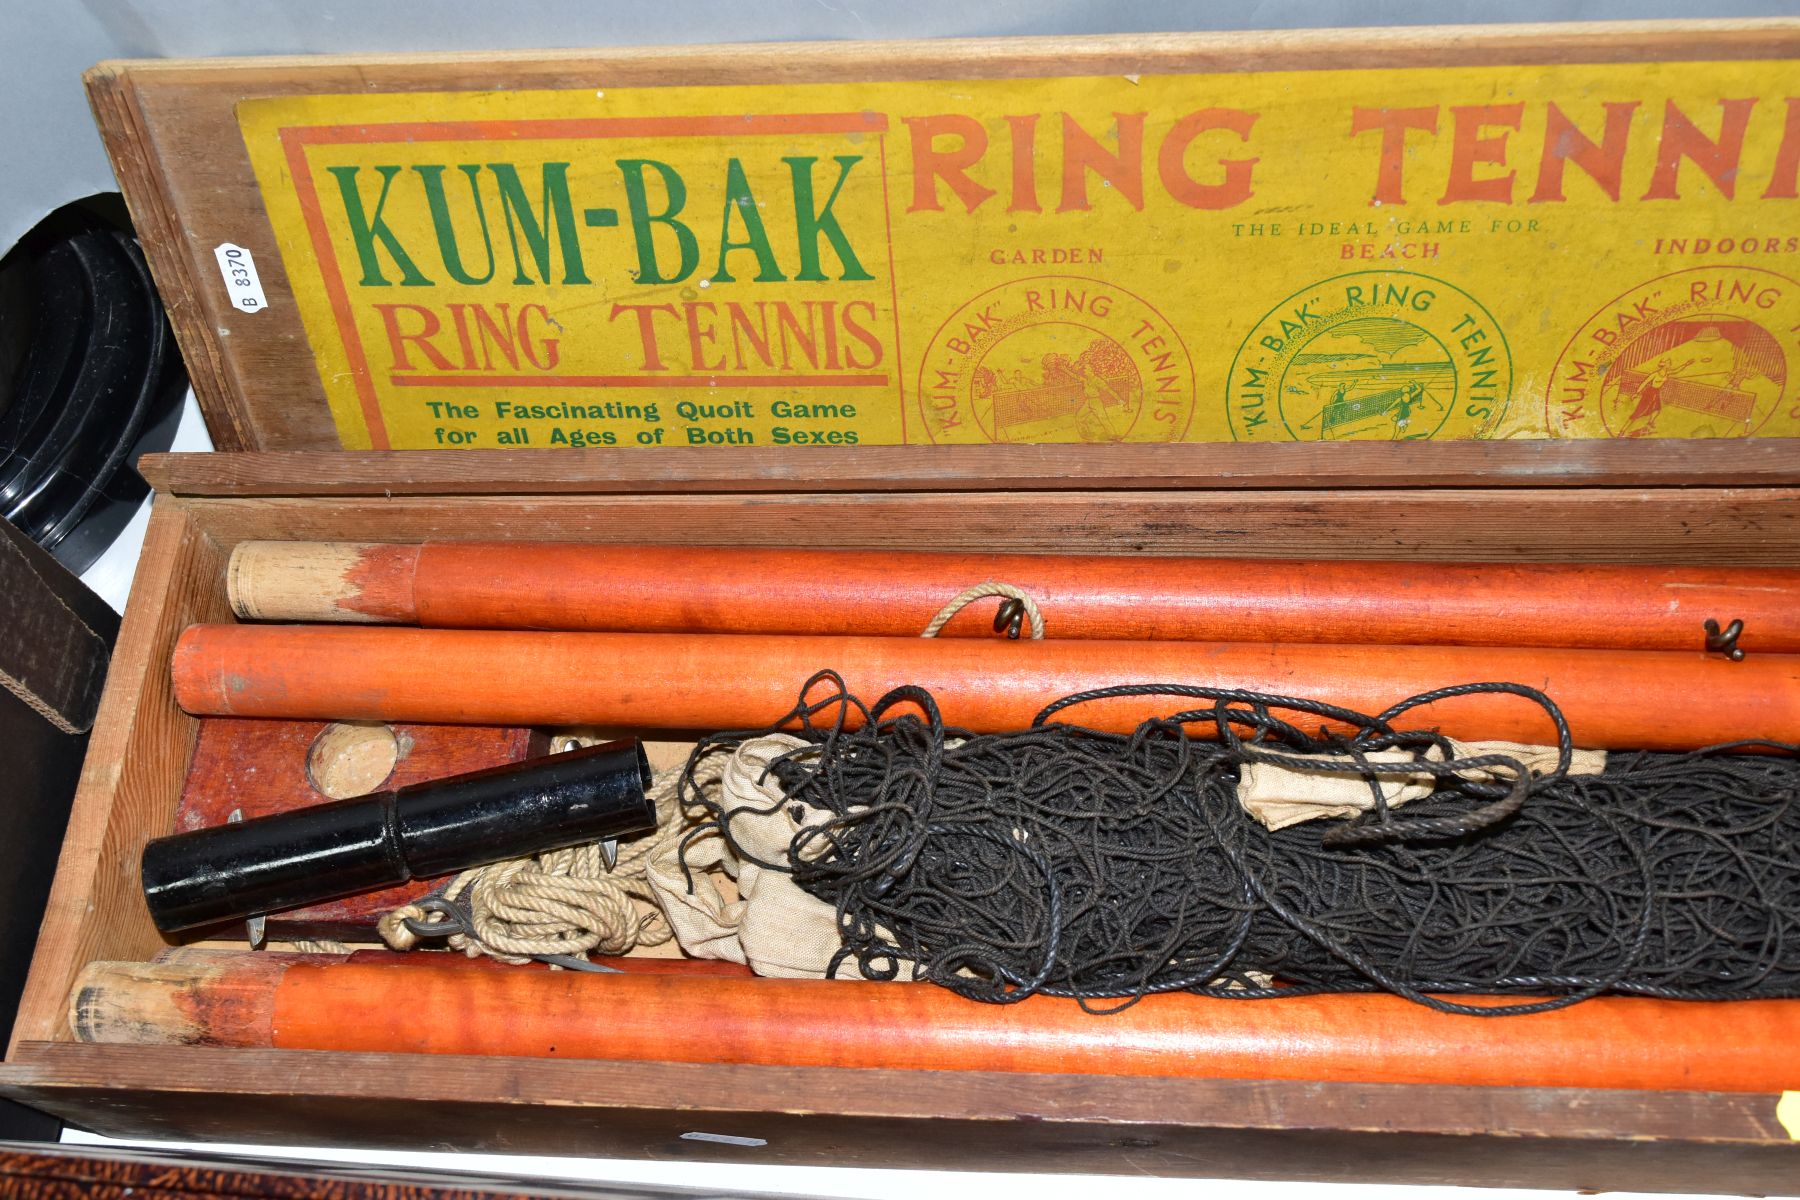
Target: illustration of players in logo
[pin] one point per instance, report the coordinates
(1387, 355)
(1026, 391)
(1693, 354)
(1055, 359)
(1704, 378)
(1376, 377)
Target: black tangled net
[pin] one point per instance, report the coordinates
(1071, 862)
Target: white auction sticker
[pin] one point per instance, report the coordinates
(242, 283)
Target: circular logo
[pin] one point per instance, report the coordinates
(1056, 358)
(1387, 355)
(1697, 353)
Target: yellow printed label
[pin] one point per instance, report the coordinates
(1787, 1112)
(1493, 252)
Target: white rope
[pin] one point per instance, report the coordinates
(980, 591)
(315, 946)
(559, 902)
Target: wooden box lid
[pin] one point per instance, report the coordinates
(1559, 253)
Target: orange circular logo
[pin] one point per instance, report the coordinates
(1057, 358)
(1697, 353)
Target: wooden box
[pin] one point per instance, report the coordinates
(1719, 500)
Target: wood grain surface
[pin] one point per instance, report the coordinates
(1495, 1137)
(130, 783)
(1337, 466)
(1750, 526)
(259, 768)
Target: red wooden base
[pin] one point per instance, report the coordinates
(262, 767)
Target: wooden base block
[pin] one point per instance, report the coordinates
(257, 768)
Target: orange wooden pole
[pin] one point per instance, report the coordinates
(1613, 700)
(672, 589)
(362, 1005)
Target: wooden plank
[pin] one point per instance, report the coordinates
(1710, 462)
(132, 777)
(130, 143)
(1735, 1118)
(1685, 40)
(172, 128)
(1758, 526)
(1515, 1137)
(261, 768)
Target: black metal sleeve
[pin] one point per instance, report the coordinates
(230, 872)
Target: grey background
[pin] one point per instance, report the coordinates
(50, 155)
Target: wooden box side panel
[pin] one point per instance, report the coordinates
(142, 174)
(1752, 526)
(1290, 466)
(1517, 1137)
(132, 777)
(172, 130)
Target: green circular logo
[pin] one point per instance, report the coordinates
(1373, 355)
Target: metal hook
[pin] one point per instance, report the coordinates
(454, 919)
(1725, 642)
(458, 919)
(1011, 618)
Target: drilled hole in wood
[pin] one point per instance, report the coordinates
(352, 758)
